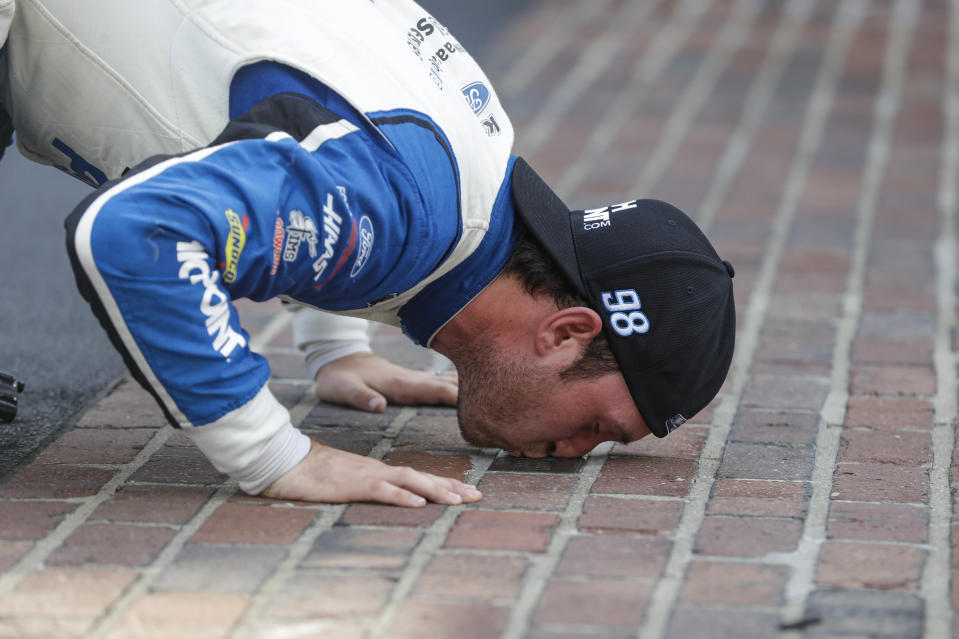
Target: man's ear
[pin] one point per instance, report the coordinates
(567, 329)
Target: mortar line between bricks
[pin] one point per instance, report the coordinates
(43, 548)
(663, 47)
(112, 613)
(726, 43)
(300, 548)
(422, 554)
(590, 65)
(542, 568)
(934, 582)
(784, 42)
(902, 22)
(845, 23)
(545, 48)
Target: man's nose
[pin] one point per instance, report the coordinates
(578, 445)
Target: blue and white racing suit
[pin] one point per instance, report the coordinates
(365, 171)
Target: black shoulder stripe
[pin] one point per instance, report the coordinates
(291, 113)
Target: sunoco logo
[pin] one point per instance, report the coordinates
(235, 242)
(477, 96)
(365, 246)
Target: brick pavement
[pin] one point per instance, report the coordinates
(817, 142)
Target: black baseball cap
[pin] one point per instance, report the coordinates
(665, 296)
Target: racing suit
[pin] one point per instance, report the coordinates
(62, 117)
(364, 171)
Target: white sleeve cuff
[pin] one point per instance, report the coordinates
(320, 353)
(280, 455)
(310, 325)
(255, 444)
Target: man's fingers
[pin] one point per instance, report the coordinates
(417, 387)
(367, 382)
(348, 388)
(387, 493)
(441, 490)
(365, 398)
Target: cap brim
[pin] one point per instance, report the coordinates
(547, 218)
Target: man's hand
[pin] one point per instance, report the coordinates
(336, 476)
(368, 382)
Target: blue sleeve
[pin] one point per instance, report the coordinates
(162, 253)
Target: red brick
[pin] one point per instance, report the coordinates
(116, 544)
(685, 443)
(804, 346)
(53, 481)
(344, 547)
(628, 556)
(65, 592)
(876, 522)
(880, 447)
(128, 406)
(889, 413)
(893, 297)
(318, 596)
(804, 306)
(873, 350)
(444, 620)
(775, 426)
(157, 504)
(353, 439)
(785, 392)
(497, 530)
(705, 416)
(242, 524)
(618, 604)
(742, 460)
(864, 565)
(880, 482)
(179, 465)
(467, 576)
(97, 446)
(746, 536)
(380, 515)
(219, 568)
(526, 491)
(161, 615)
(758, 497)
(433, 432)
(453, 466)
(893, 380)
(43, 627)
(954, 592)
(715, 582)
(614, 514)
(646, 476)
(29, 520)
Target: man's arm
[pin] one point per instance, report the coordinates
(338, 357)
(160, 255)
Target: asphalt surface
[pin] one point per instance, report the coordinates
(48, 337)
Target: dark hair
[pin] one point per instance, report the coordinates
(539, 275)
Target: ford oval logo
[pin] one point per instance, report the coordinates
(477, 96)
(365, 246)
